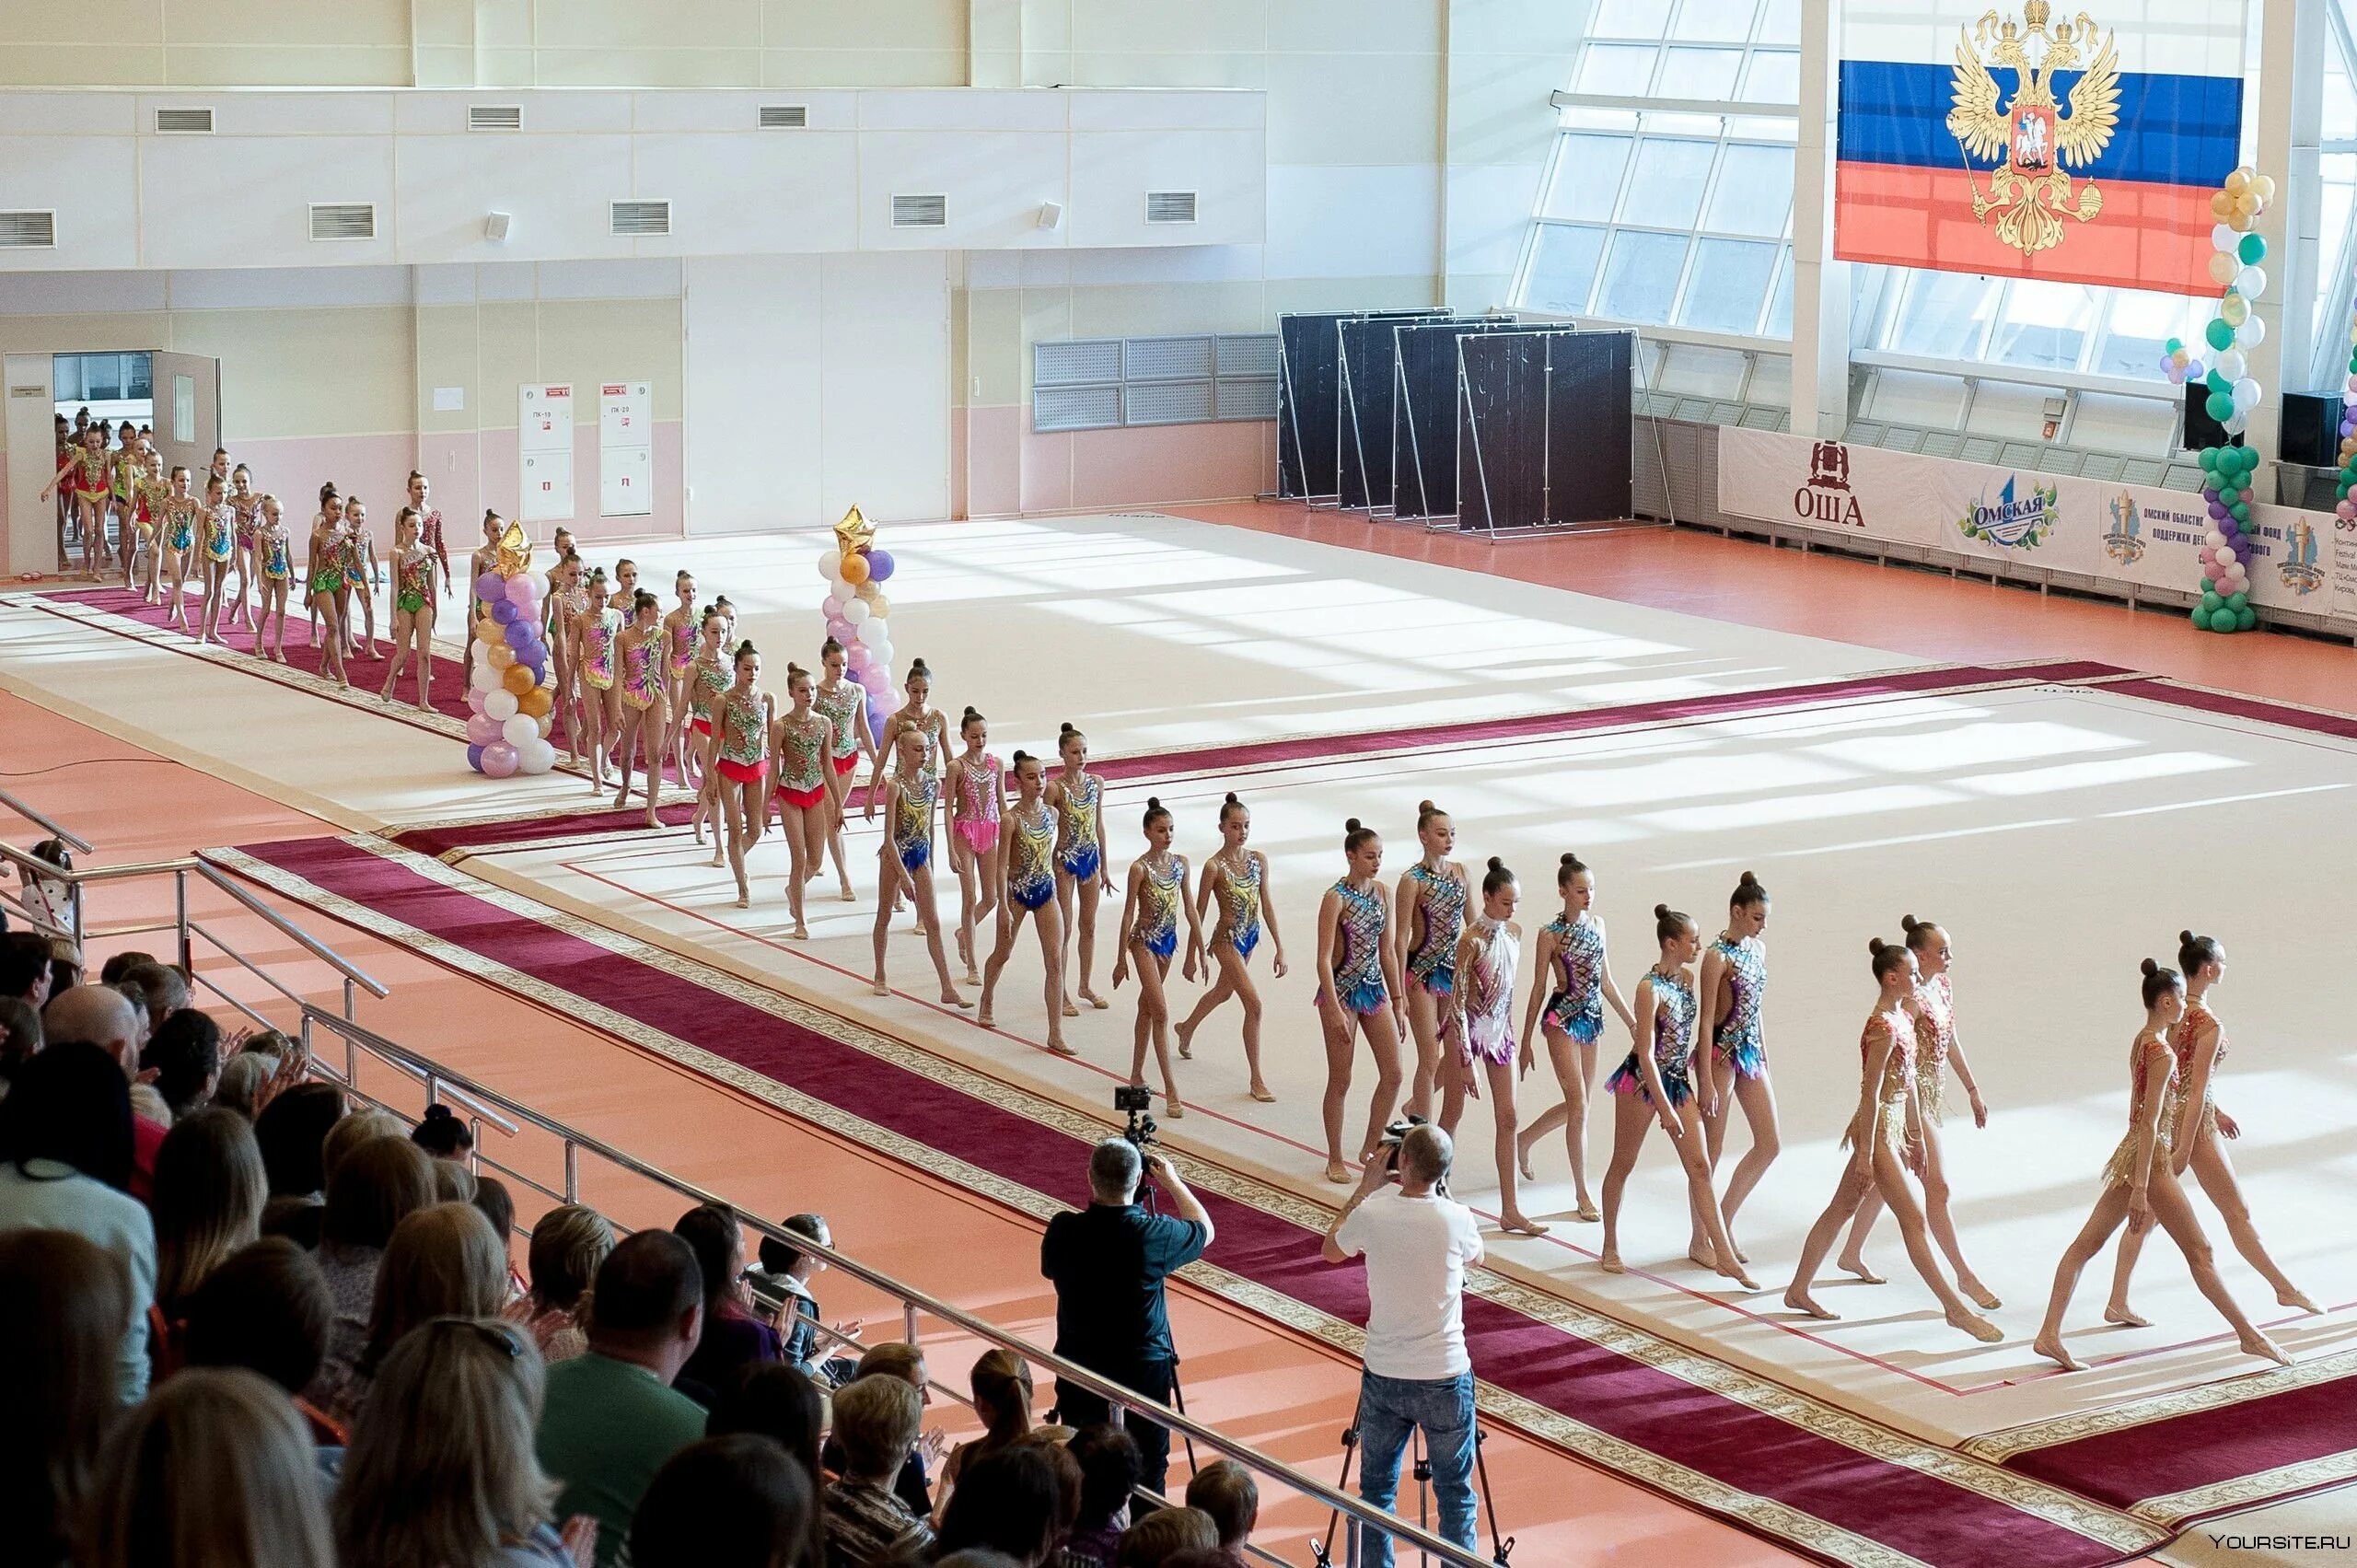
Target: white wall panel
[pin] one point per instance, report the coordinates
(754, 397)
(1021, 109)
(753, 193)
(89, 182)
(647, 278)
(188, 184)
(31, 113)
(883, 345)
(828, 109)
(1335, 222)
(1113, 171)
(558, 188)
(1488, 213)
(279, 288)
(1209, 110)
(995, 185)
(82, 294)
(278, 113)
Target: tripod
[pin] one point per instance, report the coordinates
(1321, 1551)
(1151, 1194)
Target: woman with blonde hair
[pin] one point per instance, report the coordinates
(568, 1244)
(215, 1468)
(209, 1192)
(441, 1468)
(1000, 1381)
(444, 1261)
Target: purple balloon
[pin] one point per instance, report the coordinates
(832, 609)
(880, 565)
(519, 632)
(474, 757)
(539, 673)
(2217, 510)
(504, 612)
(499, 759)
(491, 587)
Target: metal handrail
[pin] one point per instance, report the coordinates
(72, 838)
(287, 928)
(1361, 1517)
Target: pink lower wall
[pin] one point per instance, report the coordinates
(472, 470)
(1008, 468)
(374, 468)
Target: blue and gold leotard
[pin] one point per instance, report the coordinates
(1083, 851)
(913, 816)
(1241, 893)
(1159, 895)
(1031, 863)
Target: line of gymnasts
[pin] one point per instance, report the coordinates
(1433, 961)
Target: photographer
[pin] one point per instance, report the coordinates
(1108, 1262)
(1417, 1242)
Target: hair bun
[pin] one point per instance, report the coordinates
(1349, 824)
(970, 712)
(1232, 800)
(1747, 880)
(1427, 806)
(1154, 802)
(1908, 923)
(1661, 912)
(1065, 728)
(1568, 858)
(1496, 863)
(1875, 944)
(2149, 967)
(2186, 936)
(437, 1112)
(918, 667)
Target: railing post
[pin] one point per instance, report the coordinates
(180, 918)
(350, 1014)
(572, 1171)
(908, 1322)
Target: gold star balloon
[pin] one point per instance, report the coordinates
(855, 531)
(515, 551)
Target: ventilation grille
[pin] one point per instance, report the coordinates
(636, 218)
(495, 117)
(1250, 399)
(1075, 408)
(1167, 359)
(1248, 354)
(785, 116)
(344, 220)
(920, 212)
(1099, 383)
(184, 122)
(28, 231)
(1167, 402)
(1076, 361)
(1170, 206)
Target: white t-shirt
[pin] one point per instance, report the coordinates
(1416, 1251)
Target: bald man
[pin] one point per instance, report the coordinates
(103, 1017)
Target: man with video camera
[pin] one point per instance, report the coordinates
(1418, 1242)
(1108, 1262)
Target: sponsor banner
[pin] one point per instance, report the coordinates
(2144, 535)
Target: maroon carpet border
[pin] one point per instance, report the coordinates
(2233, 704)
(1905, 1509)
(439, 841)
(2254, 1435)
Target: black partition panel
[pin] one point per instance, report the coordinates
(1368, 353)
(1546, 428)
(1423, 416)
(1309, 400)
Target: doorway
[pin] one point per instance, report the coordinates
(172, 399)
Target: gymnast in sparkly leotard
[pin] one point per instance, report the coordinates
(1567, 1005)
(1358, 992)
(1656, 1084)
(975, 783)
(2201, 1130)
(1730, 994)
(1431, 898)
(645, 696)
(1154, 906)
(912, 800)
(799, 743)
(595, 631)
(740, 756)
(1877, 1138)
(1077, 798)
(1236, 882)
(2140, 1180)
(1478, 1020)
(1028, 890)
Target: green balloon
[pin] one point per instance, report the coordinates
(2250, 459)
(2245, 618)
(2173, 345)
(2252, 249)
(2210, 600)
(2217, 382)
(2238, 602)
(2220, 406)
(2218, 333)
(2209, 584)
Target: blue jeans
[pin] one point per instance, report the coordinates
(1389, 1408)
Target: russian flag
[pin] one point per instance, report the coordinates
(1905, 182)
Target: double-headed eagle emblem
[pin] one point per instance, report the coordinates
(2029, 139)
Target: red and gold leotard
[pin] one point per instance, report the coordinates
(801, 762)
(2148, 1056)
(742, 716)
(1897, 1076)
(2197, 1016)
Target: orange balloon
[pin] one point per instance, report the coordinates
(854, 568)
(536, 702)
(518, 679)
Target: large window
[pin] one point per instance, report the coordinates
(2034, 326)
(1652, 212)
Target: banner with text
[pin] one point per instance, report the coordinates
(2132, 533)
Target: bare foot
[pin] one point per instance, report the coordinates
(974, 975)
(1699, 1252)
(1093, 999)
(2050, 1347)
(1977, 1294)
(2127, 1317)
(880, 988)
(2298, 1298)
(1522, 1156)
(849, 897)
(1517, 1224)
(1739, 1277)
(1610, 1263)
(799, 933)
(950, 998)
(1980, 1328)
(2258, 1344)
(1800, 1300)
(1859, 1267)
(1057, 1044)
(1172, 1111)
(1071, 1011)
(984, 1017)
(1260, 1092)
(1338, 1173)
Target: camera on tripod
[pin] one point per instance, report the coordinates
(1134, 1100)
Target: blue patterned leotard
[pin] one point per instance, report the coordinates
(1242, 896)
(913, 816)
(1082, 853)
(1442, 899)
(1031, 860)
(1358, 956)
(1576, 1006)
(1735, 1037)
(1159, 895)
(1672, 1045)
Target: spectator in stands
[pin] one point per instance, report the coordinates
(112, 971)
(378, 1185)
(99, 1016)
(441, 1469)
(729, 1501)
(1226, 1491)
(243, 1074)
(65, 1165)
(24, 966)
(612, 1418)
(19, 1037)
(1009, 1501)
(293, 1130)
(50, 899)
(64, 1301)
(266, 1309)
(442, 1261)
(1001, 1383)
(498, 1205)
(131, 993)
(866, 1522)
(567, 1246)
(733, 1335)
(442, 1134)
(1108, 1474)
(453, 1183)
(215, 1469)
(1108, 1262)
(774, 1400)
(64, 965)
(164, 987)
(360, 1127)
(906, 1362)
(791, 1272)
(184, 1054)
(209, 1193)
(1163, 1534)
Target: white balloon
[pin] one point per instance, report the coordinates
(2214, 540)
(2232, 366)
(520, 730)
(538, 758)
(2251, 333)
(872, 633)
(2251, 283)
(828, 561)
(2224, 237)
(856, 612)
(484, 679)
(2246, 395)
(501, 706)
